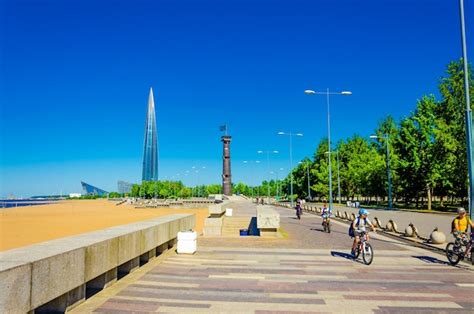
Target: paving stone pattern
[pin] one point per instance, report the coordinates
(307, 272)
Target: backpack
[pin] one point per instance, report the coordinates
(351, 229)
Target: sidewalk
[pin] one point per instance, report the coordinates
(308, 271)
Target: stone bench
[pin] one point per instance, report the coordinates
(213, 223)
(53, 276)
(268, 221)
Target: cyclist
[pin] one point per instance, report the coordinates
(326, 212)
(461, 223)
(358, 226)
(298, 208)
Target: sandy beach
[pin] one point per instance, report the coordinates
(22, 226)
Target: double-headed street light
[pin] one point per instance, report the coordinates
(268, 152)
(327, 93)
(389, 176)
(290, 135)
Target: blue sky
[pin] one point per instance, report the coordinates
(75, 77)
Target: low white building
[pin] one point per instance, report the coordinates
(72, 195)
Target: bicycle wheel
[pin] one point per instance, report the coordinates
(367, 254)
(357, 252)
(328, 223)
(453, 256)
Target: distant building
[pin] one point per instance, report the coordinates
(150, 144)
(124, 187)
(72, 195)
(88, 189)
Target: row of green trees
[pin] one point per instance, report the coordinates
(427, 153)
(172, 189)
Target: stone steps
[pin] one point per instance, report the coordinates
(232, 225)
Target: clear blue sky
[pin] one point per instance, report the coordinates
(75, 77)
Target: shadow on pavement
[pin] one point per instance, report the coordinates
(342, 254)
(431, 260)
(322, 230)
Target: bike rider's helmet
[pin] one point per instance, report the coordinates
(461, 210)
(363, 211)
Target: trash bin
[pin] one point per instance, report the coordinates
(187, 242)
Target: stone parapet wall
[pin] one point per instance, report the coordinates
(54, 275)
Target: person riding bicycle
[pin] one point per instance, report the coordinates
(298, 208)
(358, 227)
(326, 212)
(461, 223)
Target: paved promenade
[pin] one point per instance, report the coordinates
(307, 271)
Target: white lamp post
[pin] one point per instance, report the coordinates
(327, 93)
(290, 135)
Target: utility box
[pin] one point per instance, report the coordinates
(187, 242)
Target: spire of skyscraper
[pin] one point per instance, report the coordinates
(150, 146)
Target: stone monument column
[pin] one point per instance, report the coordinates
(226, 173)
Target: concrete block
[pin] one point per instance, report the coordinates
(212, 231)
(267, 218)
(213, 226)
(173, 229)
(56, 275)
(149, 237)
(15, 285)
(101, 257)
(216, 210)
(213, 222)
(129, 247)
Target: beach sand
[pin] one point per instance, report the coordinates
(22, 226)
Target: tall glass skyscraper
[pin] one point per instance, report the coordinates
(150, 146)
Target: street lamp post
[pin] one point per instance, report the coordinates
(389, 176)
(470, 156)
(327, 93)
(307, 163)
(268, 152)
(290, 135)
(338, 179)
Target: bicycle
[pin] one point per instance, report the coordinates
(327, 224)
(366, 249)
(461, 248)
(298, 212)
